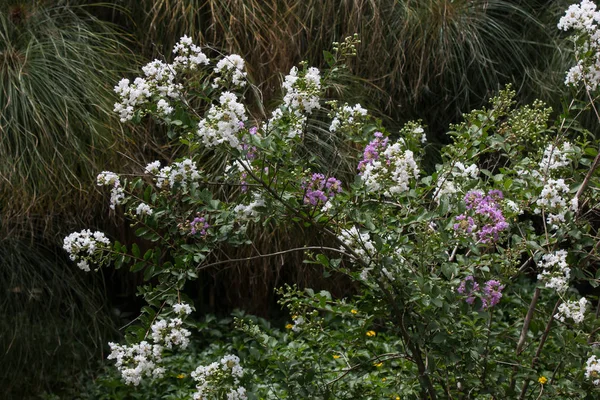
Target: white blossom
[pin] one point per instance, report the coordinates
(137, 361)
(360, 243)
(183, 174)
(572, 309)
(182, 309)
(143, 209)
(85, 246)
(555, 271)
(302, 92)
(210, 378)
(347, 116)
(556, 157)
(188, 55)
(231, 69)
(223, 123)
(552, 200)
(592, 370)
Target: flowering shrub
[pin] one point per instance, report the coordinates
(453, 264)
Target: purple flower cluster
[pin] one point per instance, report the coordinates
(199, 225)
(320, 189)
(487, 210)
(373, 150)
(490, 294)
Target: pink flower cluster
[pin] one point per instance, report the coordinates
(487, 210)
(199, 225)
(490, 294)
(320, 189)
(373, 150)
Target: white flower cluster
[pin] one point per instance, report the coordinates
(85, 246)
(131, 96)
(572, 309)
(347, 117)
(250, 210)
(301, 98)
(182, 309)
(360, 243)
(513, 207)
(137, 361)
(188, 55)
(223, 123)
(420, 131)
(553, 202)
(592, 370)
(584, 18)
(556, 157)
(159, 82)
(293, 124)
(302, 92)
(392, 173)
(472, 171)
(555, 271)
(298, 322)
(444, 187)
(184, 173)
(160, 76)
(231, 68)
(212, 377)
(117, 194)
(143, 359)
(143, 209)
(170, 333)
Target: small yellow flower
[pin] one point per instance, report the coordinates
(371, 333)
(336, 356)
(383, 379)
(354, 311)
(397, 397)
(180, 376)
(378, 364)
(542, 380)
(289, 326)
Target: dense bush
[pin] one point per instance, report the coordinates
(474, 280)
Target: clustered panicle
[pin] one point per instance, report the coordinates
(572, 309)
(183, 174)
(137, 361)
(361, 244)
(143, 359)
(188, 56)
(584, 19)
(143, 209)
(320, 189)
(592, 370)
(555, 271)
(387, 167)
(117, 194)
(199, 225)
(170, 333)
(223, 123)
(302, 93)
(159, 86)
(246, 211)
(487, 211)
(490, 294)
(553, 202)
(347, 117)
(556, 156)
(85, 246)
(231, 69)
(211, 378)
